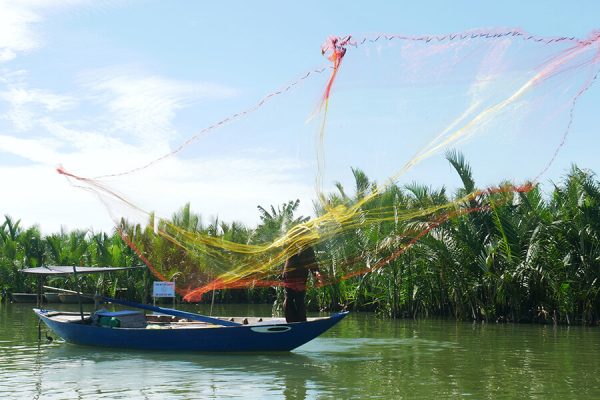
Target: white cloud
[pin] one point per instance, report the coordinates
(139, 108)
(16, 33)
(18, 20)
(230, 188)
(49, 101)
(39, 195)
(113, 119)
(116, 119)
(145, 105)
(22, 101)
(37, 150)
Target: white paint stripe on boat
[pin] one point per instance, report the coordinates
(271, 329)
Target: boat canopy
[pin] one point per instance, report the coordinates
(69, 270)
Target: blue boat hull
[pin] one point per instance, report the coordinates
(243, 338)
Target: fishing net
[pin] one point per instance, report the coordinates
(349, 138)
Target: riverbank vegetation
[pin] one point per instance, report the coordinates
(522, 256)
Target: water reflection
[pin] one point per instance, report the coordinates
(109, 373)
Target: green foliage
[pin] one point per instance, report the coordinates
(520, 257)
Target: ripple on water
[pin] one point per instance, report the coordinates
(363, 357)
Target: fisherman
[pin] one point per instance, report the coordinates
(295, 275)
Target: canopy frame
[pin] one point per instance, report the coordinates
(73, 270)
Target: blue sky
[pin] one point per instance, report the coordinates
(102, 86)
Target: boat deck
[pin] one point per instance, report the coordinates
(65, 316)
(159, 321)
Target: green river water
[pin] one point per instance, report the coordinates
(363, 357)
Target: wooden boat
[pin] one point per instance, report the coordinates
(24, 297)
(72, 298)
(51, 297)
(173, 329)
(182, 331)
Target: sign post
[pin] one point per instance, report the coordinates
(163, 289)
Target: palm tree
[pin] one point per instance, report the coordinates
(274, 223)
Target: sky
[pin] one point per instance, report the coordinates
(104, 86)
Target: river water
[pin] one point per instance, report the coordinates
(362, 357)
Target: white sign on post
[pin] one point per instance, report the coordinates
(163, 289)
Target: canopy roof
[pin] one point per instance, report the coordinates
(68, 270)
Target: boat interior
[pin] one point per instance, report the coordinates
(139, 320)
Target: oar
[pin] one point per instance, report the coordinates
(168, 311)
(68, 291)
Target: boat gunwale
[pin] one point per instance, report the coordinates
(54, 315)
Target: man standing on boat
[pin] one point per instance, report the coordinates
(295, 275)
